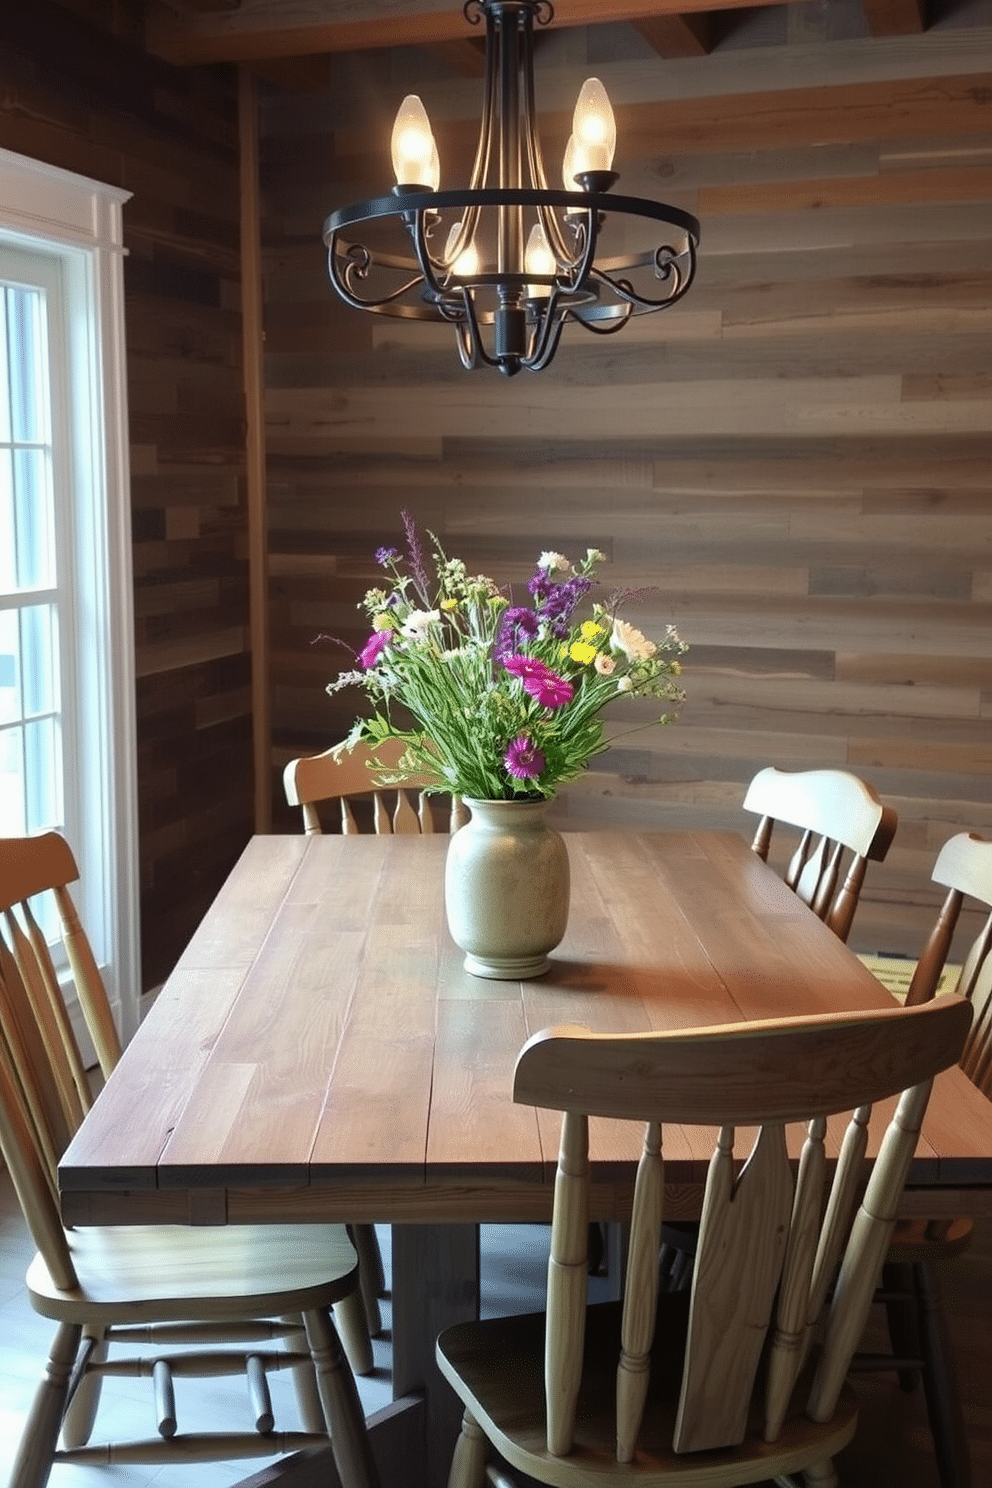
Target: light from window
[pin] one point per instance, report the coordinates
(31, 785)
(67, 745)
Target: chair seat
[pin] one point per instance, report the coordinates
(497, 1369)
(929, 1240)
(167, 1273)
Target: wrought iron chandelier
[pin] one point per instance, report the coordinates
(508, 261)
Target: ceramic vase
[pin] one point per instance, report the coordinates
(506, 889)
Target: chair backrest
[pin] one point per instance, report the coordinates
(769, 1243)
(31, 867)
(964, 868)
(835, 811)
(27, 1095)
(44, 1090)
(344, 772)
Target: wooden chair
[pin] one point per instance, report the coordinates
(157, 1285)
(910, 1289)
(835, 812)
(342, 773)
(729, 1383)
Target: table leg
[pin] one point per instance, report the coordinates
(435, 1283)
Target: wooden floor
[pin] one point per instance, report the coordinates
(892, 1448)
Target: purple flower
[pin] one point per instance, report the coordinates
(561, 603)
(541, 586)
(418, 567)
(386, 556)
(540, 681)
(523, 759)
(516, 627)
(374, 647)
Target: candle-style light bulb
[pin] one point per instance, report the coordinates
(415, 157)
(593, 127)
(538, 259)
(572, 163)
(466, 265)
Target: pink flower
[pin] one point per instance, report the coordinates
(540, 681)
(552, 692)
(374, 647)
(523, 759)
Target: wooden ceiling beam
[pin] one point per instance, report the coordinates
(267, 28)
(468, 57)
(296, 74)
(677, 35)
(895, 17)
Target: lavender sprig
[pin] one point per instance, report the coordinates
(418, 567)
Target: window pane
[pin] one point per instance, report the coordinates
(33, 520)
(4, 359)
(11, 783)
(10, 701)
(39, 660)
(8, 549)
(30, 685)
(27, 371)
(43, 796)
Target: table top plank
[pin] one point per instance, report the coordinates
(141, 1106)
(379, 1098)
(237, 922)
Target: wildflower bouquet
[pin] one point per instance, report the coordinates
(507, 699)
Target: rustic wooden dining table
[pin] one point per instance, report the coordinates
(319, 1053)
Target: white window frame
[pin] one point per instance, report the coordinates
(79, 223)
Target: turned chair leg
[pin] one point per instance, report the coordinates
(468, 1463)
(370, 1273)
(822, 1475)
(33, 1462)
(352, 1324)
(80, 1415)
(304, 1377)
(343, 1411)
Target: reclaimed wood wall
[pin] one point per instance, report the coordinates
(84, 97)
(794, 462)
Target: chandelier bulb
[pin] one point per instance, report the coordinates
(538, 259)
(571, 164)
(466, 265)
(415, 157)
(594, 129)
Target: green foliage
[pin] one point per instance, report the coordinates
(508, 701)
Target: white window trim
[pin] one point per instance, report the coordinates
(44, 208)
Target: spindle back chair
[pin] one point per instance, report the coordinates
(344, 773)
(921, 1347)
(728, 1383)
(836, 812)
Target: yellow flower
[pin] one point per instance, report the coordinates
(383, 622)
(449, 604)
(582, 652)
(590, 631)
